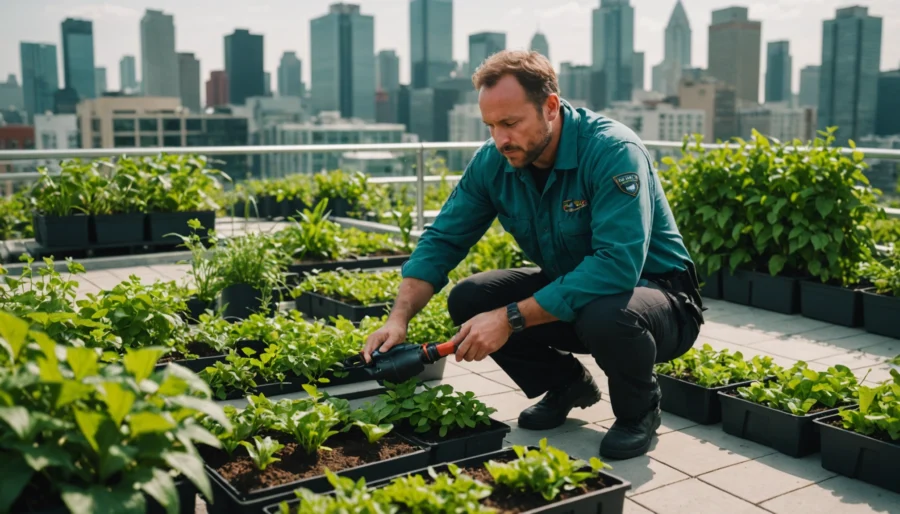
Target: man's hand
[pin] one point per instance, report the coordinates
(385, 338)
(482, 335)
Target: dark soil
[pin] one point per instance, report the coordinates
(349, 450)
(195, 350)
(881, 436)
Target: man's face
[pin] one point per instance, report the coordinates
(520, 130)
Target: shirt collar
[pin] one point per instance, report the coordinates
(567, 151)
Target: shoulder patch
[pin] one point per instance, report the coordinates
(628, 183)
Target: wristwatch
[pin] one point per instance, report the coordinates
(515, 318)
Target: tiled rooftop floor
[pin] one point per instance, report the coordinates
(690, 468)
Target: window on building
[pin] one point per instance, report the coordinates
(172, 124)
(196, 140)
(123, 142)
(96, 142)
(317, 138)
(95, 124)
(149, 141)
(48, 140)
(172, 141)
(123, 125)
(149, 124)
(194, 124)
(73, 140)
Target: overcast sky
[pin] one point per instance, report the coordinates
(285, 24)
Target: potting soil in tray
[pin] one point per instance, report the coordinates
(348, 450)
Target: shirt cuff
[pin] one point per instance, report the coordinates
(551, 300)
(422, 270)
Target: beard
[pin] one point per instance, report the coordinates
(533, 151)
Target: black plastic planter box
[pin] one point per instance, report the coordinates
(201, 363)
(228, 500)
(161, 223)
(859, 456)
(792, 435)
(187, 501)
(125, 228)
(63, 231)
(880, 314)
(339, 207)
(462, 446)
(736, 287)
(323, 307)
(712, 285)
(834, 304)
(609, 500)
(349, 264)
(777, 294)
(196, 307)
(241, 300)
(688, 400)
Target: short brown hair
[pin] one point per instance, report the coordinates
(533, 71)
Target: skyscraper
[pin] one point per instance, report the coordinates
(290, 70)
(809, 86)
(734, 48)
(851, 54)
(388, 71)
(267, 83)
(778, 71)
(342, 45)
(127, 74)
(78, 56)
(540, 45)
(887, 123)
(244, 66)
(40, 78)
(483, 45)
(217, 89)
(159, 62)
(613, 48)
(677, 57)
(431, 41)
(637, 71)
(100, 86)
(189, 78)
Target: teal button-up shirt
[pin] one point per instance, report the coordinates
(601, 222)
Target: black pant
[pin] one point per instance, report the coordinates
(626, 334)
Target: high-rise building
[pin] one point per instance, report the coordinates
(342, 45)
(734, 48)
(388, 70)
(128, 74)
(430, 108)
(779, 121)
(11, 96)
(159, 62)
(715, 98)
(100, 85)
(267, 84)
(189, 77)
(244, 66)
(217, 89)
(78, 56)
(582, 84)
(637, 71)
(613, 48)
(540, 45)
(466, 124)
(483, 45)
(431, 41)
(290, 71)
(40, 78)
(851, 54)
(56, 131)
(887, 121)
(809, 86)
(658, 122)
(778, 72)
(667, 74)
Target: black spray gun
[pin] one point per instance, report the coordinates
(401, 362)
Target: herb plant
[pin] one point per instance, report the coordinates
(262, 451)
(800, 390)
(355, 287)
(204, 274)
(879, 410)
(253, 259)
(709, 368)
(452, 491)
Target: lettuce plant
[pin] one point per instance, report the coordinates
(709, 368)
(262, 451)
(879, 409)
(799, 389)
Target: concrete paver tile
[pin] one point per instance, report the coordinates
(633, 508)
(767, 477)
(472, 382)
(694, 497)
(669, 423)
(838, 495)
(704, 448)
(501, 378)
(483, 366)
(508, 405)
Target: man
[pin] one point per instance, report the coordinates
(580, 196)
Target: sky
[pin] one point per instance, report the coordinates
(285, 24)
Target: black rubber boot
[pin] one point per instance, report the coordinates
(627, 439)
(554, 407)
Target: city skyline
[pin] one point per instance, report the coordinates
(567, 27)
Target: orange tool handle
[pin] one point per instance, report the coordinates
(445, 349)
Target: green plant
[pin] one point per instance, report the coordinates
(452, 491)
(709, 368)
(15, 218)
(96, 437)
(547, 470)
(338, 184)
(254, 259)
(177, 183)
(310, 423)
(63, 194)
(800, 390)
(879, 409)
(497, 249)
(358, 288)
(884, 272)
(205, 274)
(262, 451)
(349, 497)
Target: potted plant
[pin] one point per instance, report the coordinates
(864, 443)
(205, 276)
(59, 207)
(15, 221)
(779, 412)
(276, 447)
(344, 191)
(118, 213)
(690, 384)
(517, 479)
(250, 269)
(351, 295)
(881, 304)
(85, 436)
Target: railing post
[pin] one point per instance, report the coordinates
(420, 188)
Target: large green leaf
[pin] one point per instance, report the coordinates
(191, 467)
(15, 474)
(83, 361)
(14, 331)
(89, 424)
(69, 391)
(124, 499)
(18, 420)
(207, 407)
(824, 205)
(115, 458)
(160, 486)
(118, 400)
(43, 456)
(140, 362)
(148, 422)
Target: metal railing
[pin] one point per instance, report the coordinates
(418, 148)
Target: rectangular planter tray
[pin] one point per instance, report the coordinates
(348, 264)
(712, 285)
(859, 456)
(462, 447)
(227, 499)
(737, 287)
(609, 500)
(198, 365)
(880, 313)
(323, 307)
(688, 400)
(792, 435)
(834, 304)
(776, 294)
